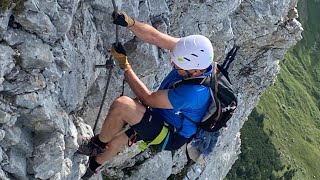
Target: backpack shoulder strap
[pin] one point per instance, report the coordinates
(224, 72)
(228, 60)
(201, 80)
(230, 57)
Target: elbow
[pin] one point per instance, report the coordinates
(145, 98)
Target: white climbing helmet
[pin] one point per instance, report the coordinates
(193, 52)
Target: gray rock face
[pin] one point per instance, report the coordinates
(39, 23)
(29, 100)
(49, 157)
(154, 168)
(50, 90)
(4, 20)
(4, 116)
(25, 144)
(7, 115)
(19, 82)
(11, 138)
(3, 175)
(35, 54)
(17, 165)
(6, 60)
(2, 134)
(14, 36)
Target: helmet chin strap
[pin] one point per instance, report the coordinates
(188, 75)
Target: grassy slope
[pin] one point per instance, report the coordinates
(291, 110)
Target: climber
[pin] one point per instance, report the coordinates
(154, 116)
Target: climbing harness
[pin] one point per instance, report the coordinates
(110, 64)
(162, 136)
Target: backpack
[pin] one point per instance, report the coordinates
(224, 103)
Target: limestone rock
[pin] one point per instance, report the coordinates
(35, 54)
(49, 157)
(69, 6)
(60, 14)
(47, 118)
(157, 7)
(179, 160)
(12, 137)
(4, 20)
(2, 134)
(1, 155)
(15, 36)
(102, 5)
(23, 82)
(293, 14)
(71, 137)
(6, 60)
(4, 116)
(78, 167)
(63, 23)
(7, 115)
(39, 23)
(25, 144)
(16, 165)
(29, 100)
(158, 167)
(3, 175)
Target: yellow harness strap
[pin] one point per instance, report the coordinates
(162, 135)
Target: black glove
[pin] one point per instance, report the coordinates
(119, 53)
(119, 49)
(122, 19)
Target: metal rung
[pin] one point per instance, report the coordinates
(109, 64)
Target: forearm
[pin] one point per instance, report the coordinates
(151, 35)
(136, 85)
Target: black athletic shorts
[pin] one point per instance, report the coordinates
(149, 128)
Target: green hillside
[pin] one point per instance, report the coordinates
(281, 138)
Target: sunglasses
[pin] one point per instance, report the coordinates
(174, 66)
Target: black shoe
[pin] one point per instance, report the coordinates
(89, 173)
(89, 148)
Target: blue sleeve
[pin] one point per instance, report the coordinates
(181, 97)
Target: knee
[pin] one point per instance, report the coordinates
(121, 103)
(127, 109)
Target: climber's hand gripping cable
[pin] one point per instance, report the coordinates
(122, 19)
(120, 54)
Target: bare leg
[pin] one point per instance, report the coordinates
(114, 146)
(122, 111)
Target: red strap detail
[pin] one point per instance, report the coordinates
(132, 139)
(107, 147)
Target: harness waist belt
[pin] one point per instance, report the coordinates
(158, 140)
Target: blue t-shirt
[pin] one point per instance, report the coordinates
(192, 100)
